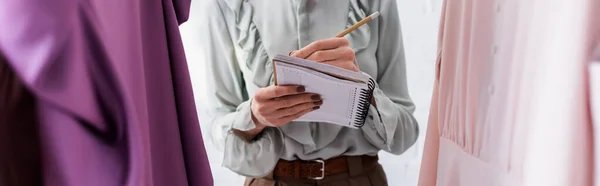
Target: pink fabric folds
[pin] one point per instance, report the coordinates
(510, 100)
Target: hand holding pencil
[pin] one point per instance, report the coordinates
(334, 51)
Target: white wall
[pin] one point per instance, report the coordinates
(419, 21)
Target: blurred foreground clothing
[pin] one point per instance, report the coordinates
(111, 91)
(510, 102)
(20, 156)
(594, 82)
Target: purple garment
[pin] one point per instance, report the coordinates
(113, 88)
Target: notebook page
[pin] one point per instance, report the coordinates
(339, 97)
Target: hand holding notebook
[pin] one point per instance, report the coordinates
(277, 105)
(329, 68)
(346, 94)
(292, 100)
(348, 109)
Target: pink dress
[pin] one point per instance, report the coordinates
(594, 82)
(510, 104)
(594, 71)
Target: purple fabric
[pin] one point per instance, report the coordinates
(115, 97)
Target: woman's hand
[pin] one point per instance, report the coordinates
(277, 105)
(333, 51)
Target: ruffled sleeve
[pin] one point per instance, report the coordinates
(250, 51)
(226, 48)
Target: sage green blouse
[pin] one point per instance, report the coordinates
(242, 36)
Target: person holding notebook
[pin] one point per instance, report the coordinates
(252, 117)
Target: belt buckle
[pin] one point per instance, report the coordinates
(322, 169)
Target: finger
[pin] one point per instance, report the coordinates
(348, 65)
(326, 55)
(278, 91)
(293, 100)
(356, 64)
(270, 106)
(332, 54)
(292, 117)
(296, 109)
(324, 44)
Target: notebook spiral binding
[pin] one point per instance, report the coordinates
(364, 103)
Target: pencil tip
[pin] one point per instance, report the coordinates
(374, 15)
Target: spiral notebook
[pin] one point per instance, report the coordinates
(346, 94)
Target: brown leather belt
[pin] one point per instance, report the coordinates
(317, 169)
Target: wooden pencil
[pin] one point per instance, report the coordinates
(360, 23)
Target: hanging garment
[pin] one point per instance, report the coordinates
(509, 106)
(112, 89)
(594, 82)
